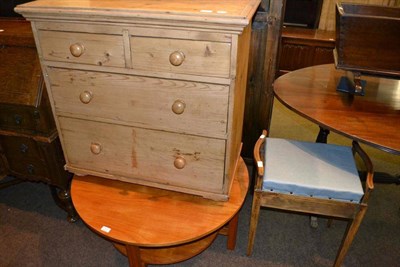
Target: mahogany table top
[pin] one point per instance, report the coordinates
(150, 217)
(373, 119)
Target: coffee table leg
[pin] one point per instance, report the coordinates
(232, 231)
(134, 258)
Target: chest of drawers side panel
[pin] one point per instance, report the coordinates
(237, 101)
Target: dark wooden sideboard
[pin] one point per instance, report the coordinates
(300, 48)
(29, 146)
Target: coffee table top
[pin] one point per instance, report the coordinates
(373, 119)
(150, 217)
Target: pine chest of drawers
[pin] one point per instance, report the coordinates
(148, 92)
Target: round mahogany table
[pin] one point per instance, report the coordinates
(156, 226)
(373, 119)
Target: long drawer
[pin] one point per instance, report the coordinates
(178, 106)
(160, 157)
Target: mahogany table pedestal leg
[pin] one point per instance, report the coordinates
(322, 135)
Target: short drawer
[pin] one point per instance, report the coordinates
(161, 157)
(85, 48)
(30, 170)
(203, 58)
(178, 106)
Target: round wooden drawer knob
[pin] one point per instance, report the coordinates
(179, 162)
(178, 107)
(86, 97)
(95, 148)
(76, 50)
(176, 58)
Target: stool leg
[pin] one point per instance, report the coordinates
(351, 231)
(134, 258)
(232, 231)
(255, 212)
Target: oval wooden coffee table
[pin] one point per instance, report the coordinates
(155, 226)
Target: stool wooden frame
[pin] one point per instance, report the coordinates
(353, 212)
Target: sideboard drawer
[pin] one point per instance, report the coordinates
(93, 49)
(181, 56)
(25, 158)
(179, 106)
(134, 153)
(16, 148)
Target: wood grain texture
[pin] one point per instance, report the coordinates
(235, 12)
(136, 154)
(368, 38)
(373, 119)
(300, 48)
(266, 33)
(19, 81)
(200, 58)
(168, 255)
(150, 217)
(107, 50)
(142, 101)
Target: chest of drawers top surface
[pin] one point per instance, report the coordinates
(149, 92)
(225, 12)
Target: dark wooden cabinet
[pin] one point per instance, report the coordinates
(266, 32)
(300, 48)
(29, 145)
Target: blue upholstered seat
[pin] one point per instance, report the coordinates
(311, 169)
